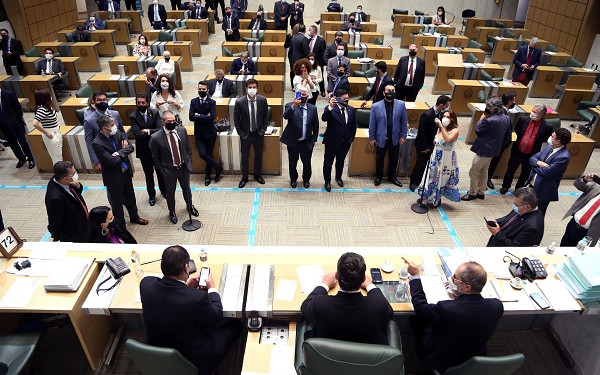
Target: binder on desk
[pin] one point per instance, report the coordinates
(232, 289)
(261, 283)
(68, 275)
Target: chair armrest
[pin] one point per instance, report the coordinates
(302, 327)
(393, 334)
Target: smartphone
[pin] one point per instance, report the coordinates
(540, 301)
(490, 223)
(596, 179)
(298, 94)
(376, 276)
(204, 272)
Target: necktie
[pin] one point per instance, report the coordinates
(344, 114)
(252, 116)
(282, 7)
(588, 214)
(174, 148)
(310, 45)
(256, 24)
(49, 67)
(8, 45)
(145, 117)
(156, 17)
(510, 221)
(301, 124)
(123, 164)
(410, 72)
(239, 3)
(79, 200)
(201, 101)
(339, 61)
(359, 18)
(377, 89)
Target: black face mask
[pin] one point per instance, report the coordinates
(487, 111)
(338, 41)
(228, 14)
(390, 95)
(513, 105)
(340, 73)
(258, 17)
(202, 94)
(103, 106)
(167, 59)
(220, 80)
(170, 125)
(351, 20)
(142, 108)
(303, 99)
(412, 53)
(343, 102)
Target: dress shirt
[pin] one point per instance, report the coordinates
(218, 90)
(414, 68)
(176, 136)
(526, 144)
(64, 187)
(579, 214)
(304, 121)
(554, 150)
(156, 15)
(111, 7)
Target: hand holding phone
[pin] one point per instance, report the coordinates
(491, 223)
(202, 281)
(376, 276)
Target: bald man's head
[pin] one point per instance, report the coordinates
(473, 275)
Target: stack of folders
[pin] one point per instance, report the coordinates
(68, 275)
(581, 275)
(451, 258)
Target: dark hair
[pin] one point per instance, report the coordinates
(79, 28)
(443, 16)
(381, 65)
(98, 93)
(203, 83)
(142, 35)
(43, 98)
(442, 99)
(49, 49)
(171, 85)
(174, 259)
(61, 169)
(1, 30)
(302, 28)
(340, 92)
(494, 104)
(251, 80)
(563, 135)
(312, 54)
(454, 119)
(314, 27)
(527, 196)
(343, 66)
(104, 121)
(141, 95)
(351, 269)
(298, 64)
(390, 83)
(96, 217)
(227, 8)
(507, 97)
(474, 274)
(338, 33)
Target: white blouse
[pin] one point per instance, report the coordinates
(165, 67)
(157, 98)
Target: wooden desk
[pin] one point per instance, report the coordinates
(409, 29)
(183, 49)
(264, 65)
(267, 49)
(471, 31)
(43, 162)
(181, 35)
(245, 23)
(109, 82)
(68, 108)
(106, 38)
(132, 66)
(257, 356)
(88, 52)
(199, 165)
(269, 35)
(134, 16)
(32, 83)
(422, 40)
(271, 158)
(559, 58)
(483, 33)
(399, 19)
(338, 16)
(125, 106)
(365, 37)
(194, 25)
(374, 51)
(465, 91)
(338, 25)
(458, 71)
(570, 98)
(502, 52)
(357, 85)
(430, 55)
(545, 79)
(120, 25)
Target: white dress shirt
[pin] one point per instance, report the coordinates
(156, 15)
(585, 209)
(218, 90)
(414, 68)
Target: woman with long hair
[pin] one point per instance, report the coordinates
(142, 48)
(167, 99)
(302, 69)
(440, 17)
(288, 44)
(316, 76)
(102, 230)
(46, 122)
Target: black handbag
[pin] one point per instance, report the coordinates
(222, 125)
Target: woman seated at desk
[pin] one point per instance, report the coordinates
(102, 230)
(165, 65)
(166, 98)
(440, 17)
(141, 49)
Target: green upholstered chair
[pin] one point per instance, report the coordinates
(261, 38)
(583, 112)
(227, 52)
(398, 11)
(151, 63)
(473, 44)
(362, 117)
(59, 89)
(485, 76)
(481, 96)
(16, 351)
(356, 54)
(369, 73)
(573, 63)
(505, 365)
(378, 40)
(270, 121)
(509, 34)
(427, 20)
(471, 58)
(491, 41)
(317, 356)
(84, 91)
(419, 13)
(33, 52)
(500, 25)
(554, 122)
(164, 36)
(261, 8)
(69, 37)
(551, 48)
(153, 360)
(80, 113)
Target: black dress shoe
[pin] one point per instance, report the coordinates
(323, 94)
(306, 184)
(503, 190)
(152, 201)
(140, 221)
(468, 197)
(328, 187)
(173, 217)
(339, 182)
(293, 184)
(259, 179)
(21, 163)
(396, 182)
(31, 164)
(207, 181)
(194, 211)
(218, 174)
(490, 185)
(377, 181)
(242, 183)
(412, 187)
(480, 196)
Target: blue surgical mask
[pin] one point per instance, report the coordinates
(452, 287)
(515, 208)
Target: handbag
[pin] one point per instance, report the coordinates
(222, 125)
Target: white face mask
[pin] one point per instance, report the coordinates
(164, 85)
(92, 19)
(75, 177)
(113, 130)
(49, 56)
(445, 121)
(251, 92)
(311, 61)
(534, 116)
(340, 53)
(142, 41)
(440, 13)
(358, 10)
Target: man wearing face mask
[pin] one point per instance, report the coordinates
(113, 149)
(94, 23)
(258, 23)
(243, 65)
(468, 319)
(508, 103)
(221, 87)
(51, 66)
(352, 25)
(282, 11)
(331, 50)
(409, 75)
(317, 45)
(65, 206)
(198, 12)
(381, 82)
(157, 15)
(12, 49)
(334, 6)
(526, 60)
(523, 226)
(296, 13)
(333, 69)
(203, 111)
(359, 15)
(231, 26)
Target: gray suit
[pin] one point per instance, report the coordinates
(90, 128)
(332, 67)
(590, 191)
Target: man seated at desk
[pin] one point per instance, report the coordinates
(243, 65)
(81, 35)
(352, 25)
(348, 315)
(180, 314)
(221, 87)
(51, 66)
(94, 23)
(258, 23)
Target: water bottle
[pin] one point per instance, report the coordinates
(203, 257)
(550, 248)
(136, 263)
(520, 37)
(581, 245)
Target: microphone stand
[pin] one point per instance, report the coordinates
(190, 225)
(421, 207)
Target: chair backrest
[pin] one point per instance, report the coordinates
(485, 76)
(16, 351)
(378, 40)
(65, 79)
(471, 58)
(153, 360)
(584, 104)
(500, 25)
(554, 122)
(573, 63)
(227, 52)
(69, 37)
(151, 63)
(488, 365)
(362, 117)
(481, 96)
(473, 44)
(427, 20)
(467, 13)
(33, 52)
(399, 11)
(509, 34)
(332, 357)
(261, 8)
(356, 54)
(80, 113)
(419, 13)
(164, 36)
(551, 48)
(84, 91)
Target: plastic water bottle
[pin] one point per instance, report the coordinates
(582, 244)
(203, 257)
(136, 263)
(550, 248)
(520, 37)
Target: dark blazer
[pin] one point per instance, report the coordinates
(142, 140)
(542, 135)
(319, 48)
(162, 13)
(202, 12)
(104, 6)
(236, 65)
(90, 127)
(279, 24)
(241, 9)
(262, 22)
(204, 122)
(590, 190)
(111, 165)
(331, 49)
(402, 71)
(16, 47)
(363, 16)
(348, 316)
(492, 133)
(337, 131)
(427, 131)
(334, 7)
(67, 221)
(527, 230)
(293, 130)
(121, 232)
(521, 57)
(161, 151)
(57, 66)
(187, 319)
(85, 37)
(241, 116)
(347, 24)
(228, 90)
(98, 24)
(380, 94)
(548, 179)
(298, 13)
(343, 84)
(378, 123)
(12, 110)
(454, 330)
(235, 27)
(299, 47)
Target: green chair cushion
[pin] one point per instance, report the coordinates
(573, 63)
(362, 117)
(33, 52)
(378, 40)
(488, 365)
(84, 91)
(500, 25)
(69, 37)
(490, 44)
(551, 48)
(151, 63)
(427, 20)
(481, 96)
(153, 360)
(16, 351)
(419, 13)
(356, 54)
(471, 58)
(585, 114)
(164, 36)
(554, 122)
(399, 11)
(584, 104)
(80, 115)
(485, 76)
(473, 44)
(509, 34)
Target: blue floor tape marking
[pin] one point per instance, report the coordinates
(254, 218)
(449, 226)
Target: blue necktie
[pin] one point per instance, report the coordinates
(123, 164)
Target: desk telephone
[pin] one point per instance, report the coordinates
(117, 267)
(528, 268)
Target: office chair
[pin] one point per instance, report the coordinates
(419, 13)
(481, 96)
(80, 113)
(474, 44)
(485, 76)
(509, 34)
(354, 54)
(427, 20)
(16, 351)
(467, 13)
(59, 89)
(261, 38)
(551, 48)
(154, 360)
(487, 365)
(33, 52)
(378, 40)
(398, 11)
(227, 52)
(554, 122)
(471, 58)
(364, 94)
(369, 73)
(164, 36)
(362, 117)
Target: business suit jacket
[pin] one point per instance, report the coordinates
(548, 179)
(542, 135)
(111, 165)
(161, 151)
(348, 316)
(235, 27)
(346, 26)
(493, 133)
(177, 316)
(342, 84)
(293, 131)
(337, 130)
(299, 47)
(590, 190)
(12, 110)
(16, 47)
(296, 14)
(262, 23)
(330, 50)
(98, 24)
(279, 12)
(521, 57)
(104, 6)
(380, 93)
(363, 16)
(319, 47)
(332, 67)
(239, 9)
(402, 71)
(236, 65)
(227, 91)
(378, 123)
(162, 13)
(527, 230)
(334, 7)
(199, 13)
(241, 116)
(57, 66)
(427, 131)
(90, 128)
(85, 37)
(67, 221)
(142, 139)
(454, 330)
(204, 123)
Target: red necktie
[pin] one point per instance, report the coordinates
(282, 6)
(79, 200)
(377, 90)
(175, 150)
(410, 71)
(588, 214)
(310, 45)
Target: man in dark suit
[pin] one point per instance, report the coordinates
(334, 6)
(339, 135)
(203, 111)
(112, 149)
(231, 26)
(508, 103)
(548, 167)
(359, 14)
(12, 49)
(531, 132)
(145, 122)
(388, 127)
(181, 315)
(221, 87)
(281, 10)
(317, 45)
(81, 35)
(152, 81)
(526, 60)
(296, 13)
(65, 206)
(239, 7)
(13, 127)
(157, 15)
(299, 45)
(243, 65)
(450, 332)
(334, 64)
(585, 220)
(382, 80)
(258, 23)
(197, 11)
(250, 120)
(110, 6)
(300, 136)
(172, 155)
(523, 226)
(351, 25)
(348, 315)
(331, 49)
(409, 75)
(51, 66)
(425, 138)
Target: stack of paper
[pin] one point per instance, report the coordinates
(452, 258)
(68, 275)
(310, 277)
(581, 275)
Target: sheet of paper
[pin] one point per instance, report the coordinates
(529, 289)
(38, 267)
(286, 289)
(505, 292)
(410, 105)
(429, 265)
(138, 297)
(489, 291)
(310, 276)
(48, 253)
(282, 360)
(434, 289)
(20, 292)
(557, 295)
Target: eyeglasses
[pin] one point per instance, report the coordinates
(454, 280)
